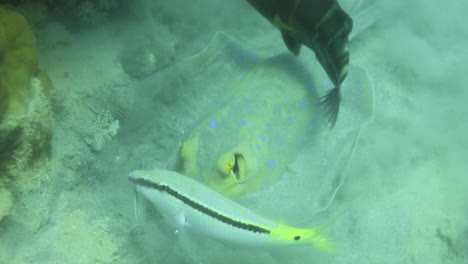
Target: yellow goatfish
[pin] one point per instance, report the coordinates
(204, 211)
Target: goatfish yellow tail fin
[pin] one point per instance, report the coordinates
(319, 241)
(313, 237)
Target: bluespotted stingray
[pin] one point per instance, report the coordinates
(264, 124)
(250, 121)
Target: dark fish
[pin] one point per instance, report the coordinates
(322, 26)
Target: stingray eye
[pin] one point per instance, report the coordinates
(164, 187)
(297, 237)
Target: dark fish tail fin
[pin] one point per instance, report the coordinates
(331, 103)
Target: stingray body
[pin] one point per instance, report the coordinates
(252, 131)
(255, 128)
(322, 26)
(242, 131)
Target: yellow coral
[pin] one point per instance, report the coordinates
(25, 112)
(18, 62)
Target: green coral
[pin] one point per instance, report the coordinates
(25, 112)
(18, 62)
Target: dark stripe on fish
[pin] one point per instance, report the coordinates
(199, 207)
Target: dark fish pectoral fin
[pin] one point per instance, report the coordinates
(293, 45)
(331, 103)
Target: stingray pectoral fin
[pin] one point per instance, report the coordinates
(331, 105)
(188, 152)
(293, 45)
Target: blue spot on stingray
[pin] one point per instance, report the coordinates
(267, 126)
(253, 60)
(240, 57)
(279, 140)
(303, 105)
(326, 82)
(244, 68)
(247, 110)
(311, 126)
(213, 124)
(243, 123)
(239, 77)
(291, 119)
(271, 53)
(252, 53)
(271, 164)
(258, 147)
(312, 89)
(262, 138)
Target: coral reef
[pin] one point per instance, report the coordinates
(18, 62)
(25, 113)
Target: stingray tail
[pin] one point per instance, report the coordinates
(331, 104)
